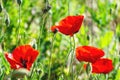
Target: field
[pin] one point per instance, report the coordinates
(39, 39)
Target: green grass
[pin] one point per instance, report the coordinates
(101, 28)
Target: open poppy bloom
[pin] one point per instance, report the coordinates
(69, 26)
(102, 66)
(22, 57)
(88, 53)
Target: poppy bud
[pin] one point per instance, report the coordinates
(110, 10)
(19, 2)
(46, 9)
(7, 21)
(119, 38)
(35, 46)
(115, 6)
(39, 72)
(1, 7)
(88, 37)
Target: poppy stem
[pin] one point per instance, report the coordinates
(41, 30)
(39, 43)
(67, 58)
(106, 76)
(50, 58)
(72, 59)
(74, 42)
(17, 30)
(73, 54)
(68, 7)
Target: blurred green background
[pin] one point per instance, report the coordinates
(100, 28)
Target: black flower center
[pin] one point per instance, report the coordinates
(55, 31)
(23, 63)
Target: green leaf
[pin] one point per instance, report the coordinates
(83, 36)
(118, 75)
(106, 39)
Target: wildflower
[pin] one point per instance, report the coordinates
(22, 57)
(69, 25)
(102, 66)
(88, 53)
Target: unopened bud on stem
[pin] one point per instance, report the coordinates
(19, 2)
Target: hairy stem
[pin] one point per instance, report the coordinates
(50, 58)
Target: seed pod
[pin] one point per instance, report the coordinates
(1, 7)
(19, 2)
(7, 21)
(35, 46)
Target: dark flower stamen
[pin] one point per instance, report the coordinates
(23, 63)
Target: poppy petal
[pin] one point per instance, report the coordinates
(31, 58)
(13, 63)
(25, 55)
(77, 24)
(69, 25)
(88, 53)
(34, 54)
(65, 30)
(21, 52)
(102, 66)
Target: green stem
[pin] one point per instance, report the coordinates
(39, 39)
(39, 44)
(40, 34)
(44, 16)
(73, 56)
(66, 59)
(68, 7)
(18, 31)
(96, 78)
(72, 59)
(50, 58)
(106, 76)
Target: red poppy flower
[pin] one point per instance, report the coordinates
(69, 26)
(102, 66)
(88, 53)
(22, 57)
